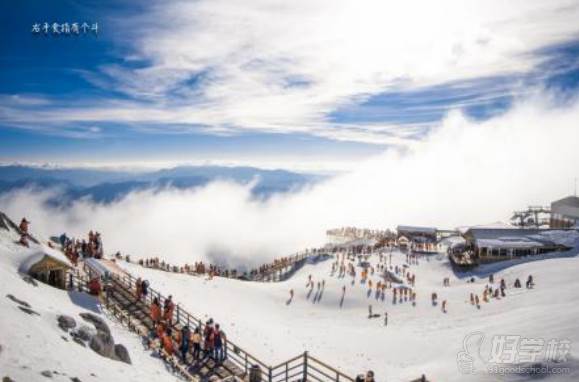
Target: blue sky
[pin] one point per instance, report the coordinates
(316, 83)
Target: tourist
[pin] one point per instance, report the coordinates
(155, 311)
(220, 344)
(196, 340)
(138, 286)
(209, 335)
(24, 226)
(167, 342)
(168, 310)
(185, 341)
(145, 289)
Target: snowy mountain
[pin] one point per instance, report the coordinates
(107, 185)
(35, 348)
(419, 338)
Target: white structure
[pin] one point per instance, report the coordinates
(565, 213)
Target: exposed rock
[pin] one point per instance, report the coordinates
(84, 332)
(28, 310)
(47, 374)
(29, 280)
(75, 379)
(79, 341)
(66, 322)
(7, 379)
(103, 344)
(98, 322)
(64, 338)
(19, 302)
(122, 353)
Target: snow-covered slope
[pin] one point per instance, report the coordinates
(33, 343)
(418, 339)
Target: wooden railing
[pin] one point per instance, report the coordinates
(303, 367)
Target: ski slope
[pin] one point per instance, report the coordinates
(418, 339)
(32, 344)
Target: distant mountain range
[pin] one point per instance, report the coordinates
(108, 185)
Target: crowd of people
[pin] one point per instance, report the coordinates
(496, 292)
(212, 270)
(208, 341)
(401, 280)
(91, 247)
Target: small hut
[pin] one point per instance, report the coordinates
(49, 269)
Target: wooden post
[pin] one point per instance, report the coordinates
(269, 374)
(305, 372)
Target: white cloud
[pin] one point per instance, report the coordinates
(278, 66)
(465, 173)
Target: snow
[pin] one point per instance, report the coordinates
(32, 344)
(257, 316)
(418, 340)
(569, 238)
(494, 225)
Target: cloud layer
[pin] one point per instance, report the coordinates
(224, 67)
(466, 173)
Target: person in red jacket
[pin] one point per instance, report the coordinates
(24, 226)
(168, 310)
(155, 311)
(94, 286)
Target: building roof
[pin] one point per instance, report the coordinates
(40, 256)
(408, 228)
(491, 233)
(571, 201)
(519, 237)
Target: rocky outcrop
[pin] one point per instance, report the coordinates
(102, 341)
(98, 322)
(46, 373)
(66, 322)
(18, 301)
(122, 353)
(103, 344)
(84, 332)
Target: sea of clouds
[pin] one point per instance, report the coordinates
(465, 172)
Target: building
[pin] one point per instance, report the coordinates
(565, 213)
(49, 269)
(486, 245)
(418, 239)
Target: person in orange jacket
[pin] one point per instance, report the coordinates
(167, 342)
(160, 330)
(168, 310)
(155, 311)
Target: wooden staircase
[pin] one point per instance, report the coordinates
(119, 299)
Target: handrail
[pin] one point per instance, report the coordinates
(286, 371)
(242, 358)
